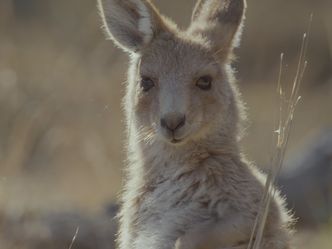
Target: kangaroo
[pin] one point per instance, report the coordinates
(187, 184)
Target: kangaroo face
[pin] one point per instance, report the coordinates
(179, 86)
(181, 89)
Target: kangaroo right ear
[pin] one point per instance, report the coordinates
(131, 24)
(220, 21)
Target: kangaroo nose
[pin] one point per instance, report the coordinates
(173, 121)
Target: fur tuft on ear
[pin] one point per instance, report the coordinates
(220, 22)
(131, 24)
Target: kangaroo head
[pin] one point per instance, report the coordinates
(180, 86)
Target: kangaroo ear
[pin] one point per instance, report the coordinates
(220, 22)
(131, 24)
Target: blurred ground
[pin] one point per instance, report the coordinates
(61, 129)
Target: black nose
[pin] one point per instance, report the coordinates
(173, 121)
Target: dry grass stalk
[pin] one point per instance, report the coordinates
(74, 238)
(287, 107)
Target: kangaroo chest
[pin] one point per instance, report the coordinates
(182, 195)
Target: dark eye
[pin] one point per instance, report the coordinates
(146, 83)
(204, 82)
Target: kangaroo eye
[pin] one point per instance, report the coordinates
(147, 83)
(204, 82)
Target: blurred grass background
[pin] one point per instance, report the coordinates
(61, 83)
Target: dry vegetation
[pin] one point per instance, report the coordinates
(61, 85)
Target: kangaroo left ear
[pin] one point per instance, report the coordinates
(131, 24)
(220, 22)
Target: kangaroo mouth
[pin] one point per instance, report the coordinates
(176, 141)
(173, 139)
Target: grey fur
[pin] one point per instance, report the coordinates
(200, 192)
